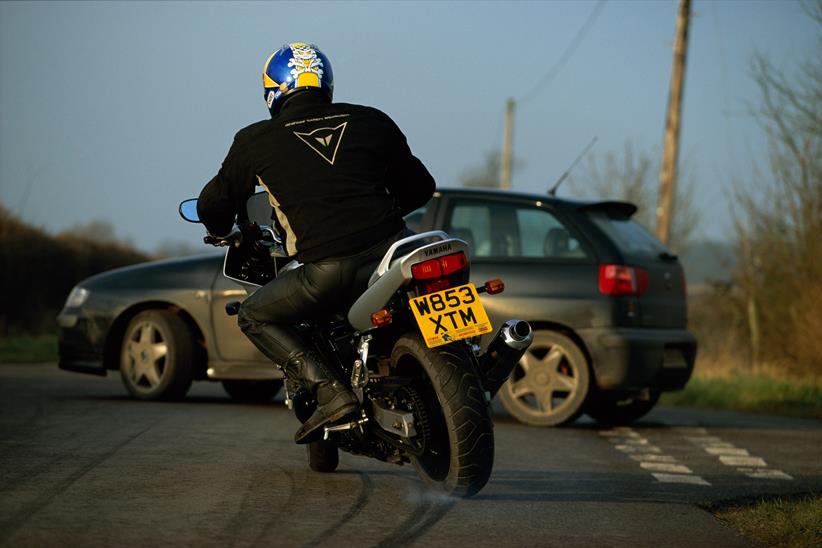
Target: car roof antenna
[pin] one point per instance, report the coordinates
(553, 190)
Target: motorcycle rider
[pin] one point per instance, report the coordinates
(340, 177)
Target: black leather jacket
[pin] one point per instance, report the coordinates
(339, 176)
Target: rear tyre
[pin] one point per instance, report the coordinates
(549, 385)
(157, 356)
(323, 456)
(615, 411)
(456, 431)
(252, 391)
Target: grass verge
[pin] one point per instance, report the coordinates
(751, 392)
(28, 349)
(779, 521)
(726, 382)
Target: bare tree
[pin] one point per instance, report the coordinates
(779, 222)
(487, 174)
(631, 176)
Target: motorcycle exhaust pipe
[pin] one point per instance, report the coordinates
(503, 353)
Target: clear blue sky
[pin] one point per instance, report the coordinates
(120, 110)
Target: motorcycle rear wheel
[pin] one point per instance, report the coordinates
(459, 440)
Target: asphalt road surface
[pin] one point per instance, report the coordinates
(83, 465)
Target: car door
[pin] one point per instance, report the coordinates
(549, 271)
(232, 344)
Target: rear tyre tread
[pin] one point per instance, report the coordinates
(465, 411)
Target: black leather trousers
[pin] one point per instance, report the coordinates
(312, 291)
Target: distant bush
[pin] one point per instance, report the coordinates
(38, 270)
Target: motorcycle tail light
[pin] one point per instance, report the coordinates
(439, 285)
(453, 263)
(439, 267)
(427, 270)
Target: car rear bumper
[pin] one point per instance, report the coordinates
(633, 359)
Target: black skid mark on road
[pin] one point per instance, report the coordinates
(431, 509)
(366, 488)
(254, 503)
(275, 517)
(15, 522)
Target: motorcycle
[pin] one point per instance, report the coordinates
(408, 347)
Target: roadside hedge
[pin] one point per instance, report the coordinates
(38, 270)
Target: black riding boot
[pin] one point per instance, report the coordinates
(334, 399)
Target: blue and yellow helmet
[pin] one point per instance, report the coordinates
(293, 67)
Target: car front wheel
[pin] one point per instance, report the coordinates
(157, 356)
(549, 385)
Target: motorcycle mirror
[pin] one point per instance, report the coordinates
(188, 210)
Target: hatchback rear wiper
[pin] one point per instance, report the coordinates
(665, 256)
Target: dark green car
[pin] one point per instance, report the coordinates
(605, 298)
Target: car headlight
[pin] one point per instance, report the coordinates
(77, 297)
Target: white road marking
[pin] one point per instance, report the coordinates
(638, 448)
(612, 434)
(735, 451)
(704, 440)
(630, 441)
(653, 458)
(718, 444)
(759, 473)
(679, 478)
(742, 461)
(730, 455)
(666, 467)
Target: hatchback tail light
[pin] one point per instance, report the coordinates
(615, 279)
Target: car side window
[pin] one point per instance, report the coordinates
(543, 235)
(508, 230)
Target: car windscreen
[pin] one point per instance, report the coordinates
(628, 235)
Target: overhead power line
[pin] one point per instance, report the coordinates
(566, 55)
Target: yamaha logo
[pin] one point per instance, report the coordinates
(437, 250)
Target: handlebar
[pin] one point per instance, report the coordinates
(234, 238)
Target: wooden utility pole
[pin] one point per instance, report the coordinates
(507, 146)
(667, 175)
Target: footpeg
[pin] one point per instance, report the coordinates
(344, 427)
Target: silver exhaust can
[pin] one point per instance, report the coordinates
(505, 350)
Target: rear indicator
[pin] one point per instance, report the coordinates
(381, 317)
(615, 279)
(439, 267)
(492, 287)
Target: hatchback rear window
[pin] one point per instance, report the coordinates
(628, 235)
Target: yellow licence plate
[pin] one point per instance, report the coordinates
(450, 315)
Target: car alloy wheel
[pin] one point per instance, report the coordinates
(157, 356)
(549, 385)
